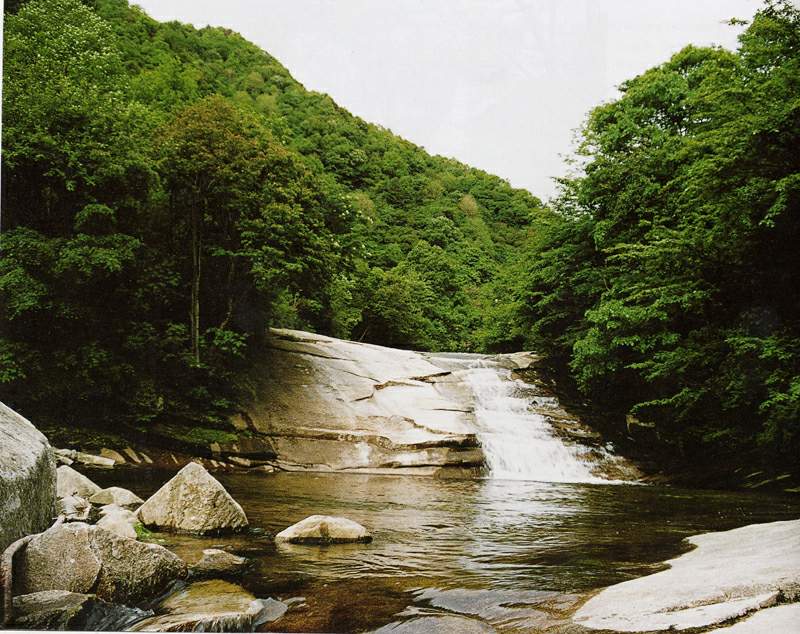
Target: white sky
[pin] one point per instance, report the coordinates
(498, 84)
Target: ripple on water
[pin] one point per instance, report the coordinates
(511, 553)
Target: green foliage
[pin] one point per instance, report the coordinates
(169, 193)
(666, 280)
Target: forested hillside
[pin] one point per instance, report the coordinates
(169, 192)
(666, 278)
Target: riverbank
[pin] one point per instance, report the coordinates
(745, 573)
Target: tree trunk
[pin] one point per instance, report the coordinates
(195, 308)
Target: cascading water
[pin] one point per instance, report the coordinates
(518, 443)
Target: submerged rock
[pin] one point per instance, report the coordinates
(27, 478)
(730, 574)
(212, 606)
(89, 559)
(118, 496)
(324, 529)
(71, 482)
(216, 562)
(193, 502)
(62, 610)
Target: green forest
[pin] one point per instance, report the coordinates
(169, 193)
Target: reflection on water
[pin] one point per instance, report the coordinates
(500, 549)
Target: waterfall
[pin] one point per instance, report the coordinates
(518, 443)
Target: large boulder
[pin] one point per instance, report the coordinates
(86, 559)
(324, 529)
(27, 478)
(212, 606)
(193, 502)
(729, 575)
(118, 496)
(69, 482)
(63, 610)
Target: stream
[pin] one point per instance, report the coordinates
(518, 554)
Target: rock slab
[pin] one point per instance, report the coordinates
(777, 620)
(212, 606)
(27, 478)
(729, 574)
(193, 502)
(86, 559)
(324, 529)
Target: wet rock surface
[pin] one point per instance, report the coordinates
(325, 404)
(193, 502)
(211, 606)
(333, 405)
(63, 610)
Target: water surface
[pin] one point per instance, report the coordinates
(519, 555)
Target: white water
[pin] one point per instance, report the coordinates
(518, 443)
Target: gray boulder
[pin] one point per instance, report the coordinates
(70, 482)
(193, 502)
(118, 496)
(324, 529)
(218, 563)
(27, 478)
(87, 559)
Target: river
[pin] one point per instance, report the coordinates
(521, 555)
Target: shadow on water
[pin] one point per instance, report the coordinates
(517, 554)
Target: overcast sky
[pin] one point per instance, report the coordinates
(498, 84)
